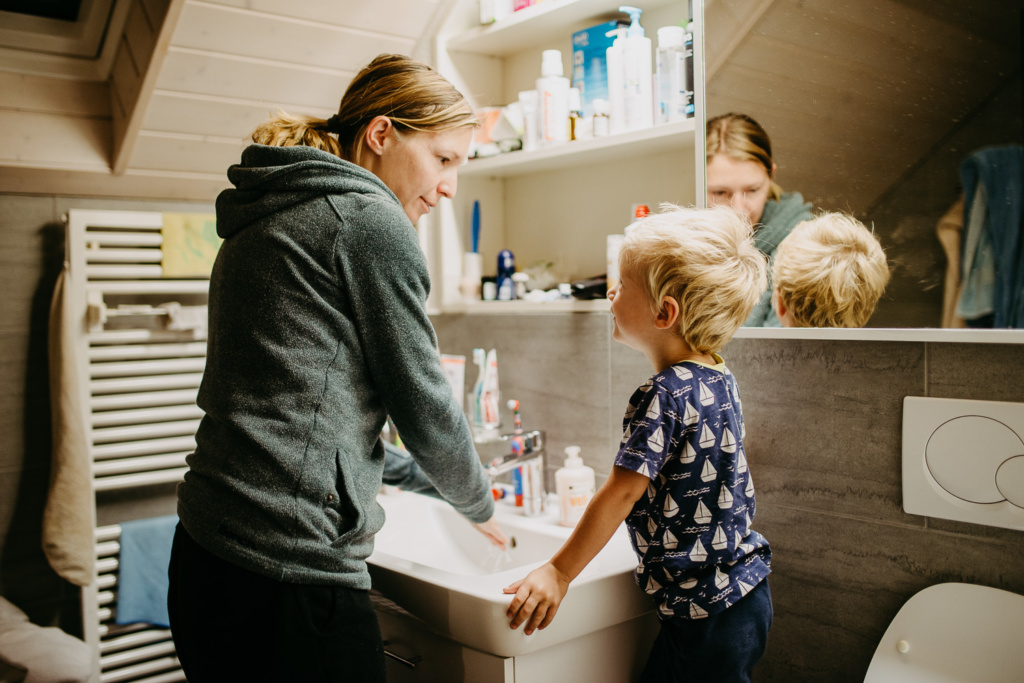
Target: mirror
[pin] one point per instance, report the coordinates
(872, 108)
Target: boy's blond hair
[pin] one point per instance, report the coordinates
(830, 272)
(706, 260)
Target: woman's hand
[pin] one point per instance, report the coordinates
(493, 533)
(537, 598)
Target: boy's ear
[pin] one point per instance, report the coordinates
(668, 314)
(377, 133)
(781, 311)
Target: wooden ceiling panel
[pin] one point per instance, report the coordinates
(193, 71)
(53, 141)
(282, 39)
(171, 112)
(185, 154)
(405, 18)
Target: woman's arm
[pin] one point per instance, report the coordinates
(538, 596)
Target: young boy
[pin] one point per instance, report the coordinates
(688, 280)
(828, 272)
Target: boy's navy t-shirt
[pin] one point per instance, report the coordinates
(691, 529)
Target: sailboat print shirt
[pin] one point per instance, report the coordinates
(691, 529)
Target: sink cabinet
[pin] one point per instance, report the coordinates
(617, 653)
(559, 203)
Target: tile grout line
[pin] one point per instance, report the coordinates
(926, 369)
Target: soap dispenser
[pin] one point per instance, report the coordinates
(575, 486)
(638, 95)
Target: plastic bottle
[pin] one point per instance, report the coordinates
(490, 394)
(528, 102)
(616, 87)
(575, 106)
(575, 486)
(477, 401)
(688, 58)
(552, 100)
(640, 212)
(638, 96)
(506, 268)
(671, 74)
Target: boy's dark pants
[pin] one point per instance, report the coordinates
(230, 624)
(722, 648)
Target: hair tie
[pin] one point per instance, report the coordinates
(333, 124)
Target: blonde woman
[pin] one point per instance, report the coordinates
(318, 332)
(741, 174)
(829, 272)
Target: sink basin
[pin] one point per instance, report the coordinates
(433, 563)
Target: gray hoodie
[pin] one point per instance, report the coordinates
(318, 331)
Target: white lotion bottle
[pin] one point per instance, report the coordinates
(637, 75)
(552, 100)
(574, 484)
(616, 86)
(671, 74)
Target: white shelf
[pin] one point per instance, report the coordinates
(664, 138)
(550, 20)
(521, 307)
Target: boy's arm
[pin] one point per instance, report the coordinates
(538, 596)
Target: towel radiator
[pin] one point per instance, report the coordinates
(130, 652)
(138, 382)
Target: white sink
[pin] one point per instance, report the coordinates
(432, 562)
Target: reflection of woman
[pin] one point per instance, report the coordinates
(741, 174)
(318, 332)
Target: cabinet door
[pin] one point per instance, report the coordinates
(617, 653)
(430, 658)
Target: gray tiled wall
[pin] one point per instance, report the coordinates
(824, 427)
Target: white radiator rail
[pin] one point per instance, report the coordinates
(116, 385)
(137, 351)
(139, 381)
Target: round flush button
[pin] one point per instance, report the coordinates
(964, 454)
(1010, 480)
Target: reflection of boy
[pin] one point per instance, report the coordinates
(681, 481)
(829, 272)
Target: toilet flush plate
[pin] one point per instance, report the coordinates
(964, 460)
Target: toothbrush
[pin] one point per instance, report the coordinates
(476, 226)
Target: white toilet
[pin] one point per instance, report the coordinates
(953, 633)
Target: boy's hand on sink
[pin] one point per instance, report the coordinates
(493, 533)
(537, 598)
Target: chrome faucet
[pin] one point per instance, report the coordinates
(523, 451)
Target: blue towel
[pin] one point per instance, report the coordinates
(142, 574)
(1000, 171)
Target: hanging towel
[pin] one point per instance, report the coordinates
(949, 230)
(68, 517)
(999, 172)
(142, 581)
(976, 304)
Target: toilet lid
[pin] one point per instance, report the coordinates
(953, 632)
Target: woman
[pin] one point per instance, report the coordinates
(741, 174)
(318, 332)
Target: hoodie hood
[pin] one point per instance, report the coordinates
(270, 179)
